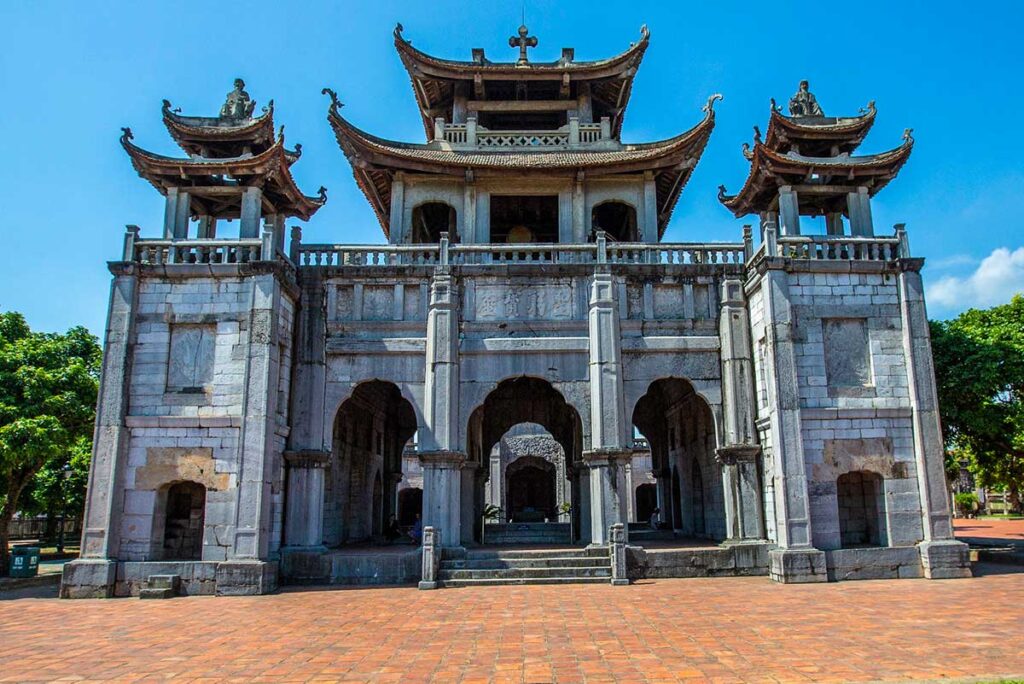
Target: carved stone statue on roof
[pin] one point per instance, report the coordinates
(238, 104)
(804, 102)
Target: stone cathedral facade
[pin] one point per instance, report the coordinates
(274, 411)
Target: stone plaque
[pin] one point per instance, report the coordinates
(847, 356)
(668, 301)
(190, 363)
(523, 302)
(378, 303)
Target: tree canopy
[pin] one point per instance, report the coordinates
(979, 367)
(48, 388)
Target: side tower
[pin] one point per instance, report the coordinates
(187, 476)
(846, 403)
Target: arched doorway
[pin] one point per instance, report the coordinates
(530, 483)
(617, 219)
(861, 499)
(536, 477)
(430, 219)
(680, 428)
(184, 516)
(646, 502)
(371, 430)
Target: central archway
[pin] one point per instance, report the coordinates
(538, 477)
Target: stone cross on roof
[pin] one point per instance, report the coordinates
(523, 41)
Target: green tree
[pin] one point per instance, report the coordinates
(979, 367)
(48, 387)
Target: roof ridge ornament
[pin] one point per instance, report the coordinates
(870, 109)
(908, 136)
(167, 108)
(709, 106)
(523, 41)
(336, 104)
(803, 103)
(238, 104)
(126, 135)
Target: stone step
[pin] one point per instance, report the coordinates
(499, 563)
(522, 580)
(164, 593)
(526, 541)
(525, 573)
(534, 554)
(641, 535)
(163, 582)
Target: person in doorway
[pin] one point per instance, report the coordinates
(417, 530)
(391, 532)
(653, 521)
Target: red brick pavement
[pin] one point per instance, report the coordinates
(990, 528)
(727, 629)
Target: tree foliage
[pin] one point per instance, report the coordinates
(979, 367)
(48, 388)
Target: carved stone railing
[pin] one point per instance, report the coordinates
(675, 253)
(837, 247)
(472, 135)
(515, 254)
(159, 252)
(367, 255)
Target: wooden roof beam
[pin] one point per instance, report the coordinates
(520, 106)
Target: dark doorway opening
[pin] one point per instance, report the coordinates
(430, 219)
(646, 502)
(524, 219)
(410, 503)
(531, 490)
(183, 526)
(617, 219)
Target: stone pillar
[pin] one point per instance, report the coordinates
(304, 499)
(608, 429)
(858, 206)
(468, 211)
(579, 206)
(941, 555)
(431, 558)
(650, 231)
(739, 450)
(469, 477)
(663, 487)
(396, 219)
(442, 489)
(796, 560)
(93, 574)
(176, 214)
(834, 224)
(583, 504)
(618, 554)
(252, 210)
(789, 211)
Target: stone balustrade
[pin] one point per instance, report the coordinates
(161, 252)
(366, 255)
(471, 135)
(837, 247)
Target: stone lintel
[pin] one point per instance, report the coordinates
(607, 456)
(307, 458)
(736, 453)
(442, 458)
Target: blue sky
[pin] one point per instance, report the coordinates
(73, 73)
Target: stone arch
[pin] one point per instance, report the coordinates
(369, 434)
(617, 218)
(338, 396)
(432, 217)
(680, 426)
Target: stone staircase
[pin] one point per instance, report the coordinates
(527, 533)
(526, 566)
(160, 587)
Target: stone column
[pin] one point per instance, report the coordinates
(442, 460)
(739, 450)
(583, 504)
(579, 207)
(246, 570)
(608, 428)
(942, 556)
(789, 211)
(396, 219)
(252, 210)
(834, 224)
(442, 485)
(469, 478)
(650, 230)
(858, 206)
(304, 500)
(796, 560)
(93, 574)
(663, 487)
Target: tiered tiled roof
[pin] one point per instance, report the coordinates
(434, 79)
(374, 161)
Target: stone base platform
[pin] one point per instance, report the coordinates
(696, 558)
(352, 566)
(99, 578)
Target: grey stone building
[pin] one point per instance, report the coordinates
(267, 404)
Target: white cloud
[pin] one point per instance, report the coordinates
(998, 277)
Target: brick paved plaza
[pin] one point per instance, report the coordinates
(727, 629)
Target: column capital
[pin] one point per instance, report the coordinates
(307, 458)
(442, 458)
(737, 453)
